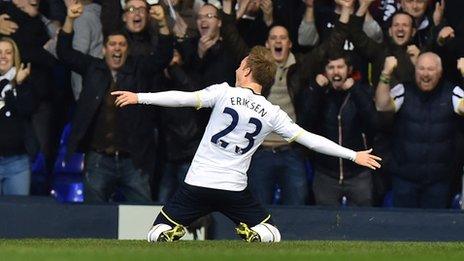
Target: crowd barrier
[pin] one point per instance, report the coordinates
(44, 217)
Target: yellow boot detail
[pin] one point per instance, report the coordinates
(246, 233)
(173, 234)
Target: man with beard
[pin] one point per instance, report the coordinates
(119, 143)
(426, 123)
(343, 111)
(277, 163)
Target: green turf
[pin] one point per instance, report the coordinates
(92, 249)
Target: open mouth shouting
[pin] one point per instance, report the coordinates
(337, 78)
(337, 81)
(278, 53)
(204, 29)
(117, 57)
(400, 35)
(138, 23)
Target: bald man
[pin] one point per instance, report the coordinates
(427, 115)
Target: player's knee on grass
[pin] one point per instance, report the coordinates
(165, 233)
(263, 232)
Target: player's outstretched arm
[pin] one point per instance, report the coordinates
(328, 147)
(166, 99)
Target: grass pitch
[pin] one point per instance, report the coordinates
(94, 249)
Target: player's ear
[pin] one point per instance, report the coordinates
(247, 71)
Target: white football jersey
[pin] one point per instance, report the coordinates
(238, 124)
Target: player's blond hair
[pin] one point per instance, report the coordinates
(263, 66)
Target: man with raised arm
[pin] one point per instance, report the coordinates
(118, 143)
(428, 114)
(217, 180)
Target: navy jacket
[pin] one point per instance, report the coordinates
(348, 118)
(424, 135)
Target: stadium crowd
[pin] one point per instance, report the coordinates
(387, 78)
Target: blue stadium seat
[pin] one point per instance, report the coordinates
(277, 200)
(68, 191)
(38, 164)
(456, 202)
(74, 164)
(388, 200)
(67, 173)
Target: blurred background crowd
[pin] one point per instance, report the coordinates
(381, 74)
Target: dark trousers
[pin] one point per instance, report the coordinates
(328, 191)
(408, 194)
(191, 202)
(172, 176)
(105, 174)
(284, 168)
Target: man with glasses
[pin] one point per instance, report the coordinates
(136, 24)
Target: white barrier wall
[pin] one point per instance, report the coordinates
(135, 222)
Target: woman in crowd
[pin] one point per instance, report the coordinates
(16, 105)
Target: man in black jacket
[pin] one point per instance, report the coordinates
(119, 144)
(343, 111)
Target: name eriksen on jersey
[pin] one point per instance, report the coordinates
(250, 105)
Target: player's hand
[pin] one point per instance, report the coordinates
(390, 64)
(124, 98)
(366, 159)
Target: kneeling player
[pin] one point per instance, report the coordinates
(192, 202)
(217, 179)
